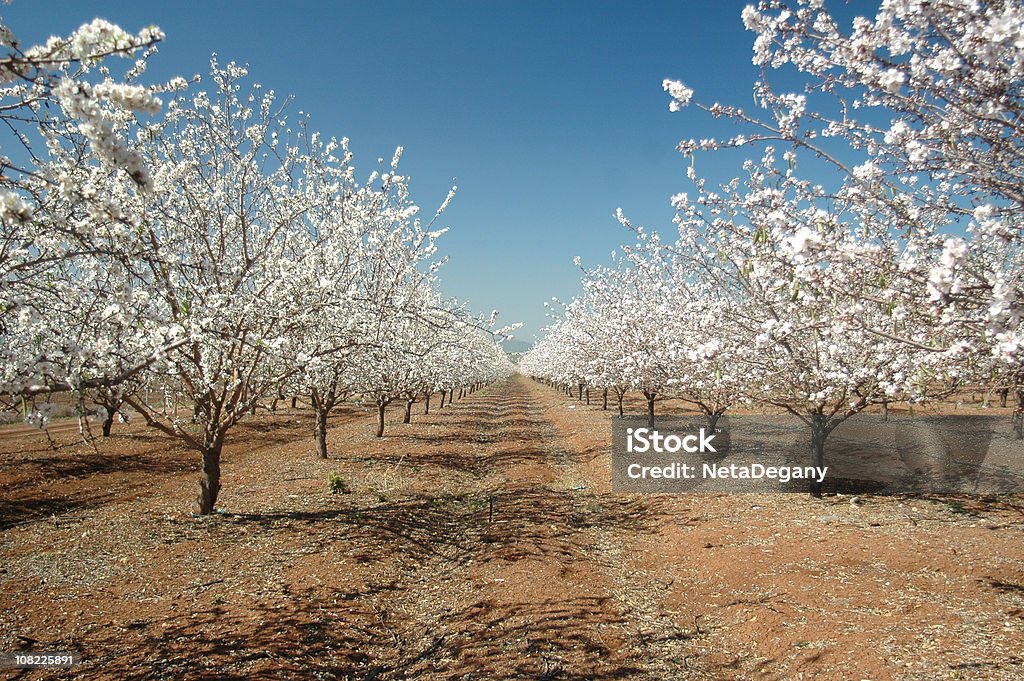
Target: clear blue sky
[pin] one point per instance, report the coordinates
(549, 114)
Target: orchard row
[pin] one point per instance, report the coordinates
(171, 246)
(868, 250)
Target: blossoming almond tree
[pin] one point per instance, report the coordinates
(816, 342)
(368, 244)
(918, 111)
(67, 156)
(641, 352)
(221, 242)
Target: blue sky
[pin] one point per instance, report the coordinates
(549, 114)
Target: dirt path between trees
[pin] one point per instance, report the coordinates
(482, 541)
(471, 546)
(542, 584)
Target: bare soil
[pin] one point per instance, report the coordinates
(482, 541)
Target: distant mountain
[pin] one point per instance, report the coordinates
(516, 345)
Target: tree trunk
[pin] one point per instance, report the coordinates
(1018, 412)
(444, 394)
(885, 410)
(380, 419)
(295, 399)
(451, 396)
(818, 435)
(604, 400)
(108, 423)
(321, 433)
(408, 411)
(620, 396)
(462, 393)
(580, 396)
(650, 408)
(426, 403)
(1004, 393)
(209, 478)
(588, 397)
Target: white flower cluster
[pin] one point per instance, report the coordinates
(84, 104)
(13, 207)
(680, 94)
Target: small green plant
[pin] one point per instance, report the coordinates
(337, 484)
(956, 507)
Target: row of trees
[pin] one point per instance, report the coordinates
(208, 249)
(896, 274)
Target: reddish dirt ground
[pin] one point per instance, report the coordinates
(482, 541)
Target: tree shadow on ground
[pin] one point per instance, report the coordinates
(337, 634)
(374, 631)
(42, 486)
(326, 632)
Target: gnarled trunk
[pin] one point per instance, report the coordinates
(1018, 412)
(381, 406)
(819, 432)
(320, 433)
(650, 407)
(108, 423)
(407, 418)
(209, 476)
(604, 400)
(426, 403)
